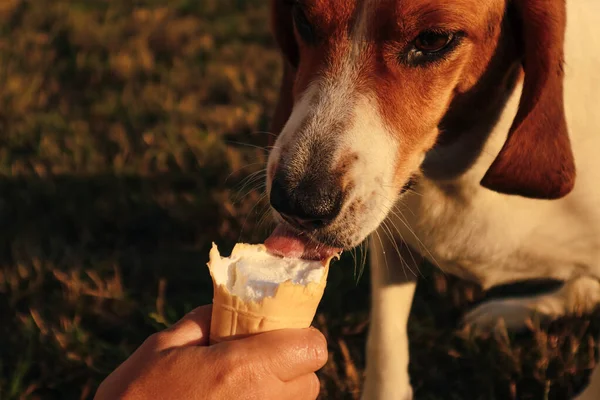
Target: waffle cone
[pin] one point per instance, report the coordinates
(291, 306)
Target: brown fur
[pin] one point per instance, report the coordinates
(536, 160)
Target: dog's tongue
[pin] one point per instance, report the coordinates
(284, 242)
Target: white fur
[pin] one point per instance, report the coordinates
(373, 180)
(330, 99)
(301, 109)
(492, 238)
(579, 295)
(465, 229)
(387, 343)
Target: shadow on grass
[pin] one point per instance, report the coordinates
(92, 265)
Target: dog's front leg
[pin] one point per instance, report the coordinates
(393, 285)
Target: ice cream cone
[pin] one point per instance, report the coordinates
(274, 305)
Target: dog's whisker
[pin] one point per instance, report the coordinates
(358, 267)
(253, 146)
(364, 249)
(416, 264)
(421, 244)
(397, 213)
(363, 260)
(253, 174)
(390, 221)
(259, 187)
(260, 199)
(265, 133)
(394, 187)
(387, 268)
(256, 176)
(265, 214)
(241, 168)
(252, 183)
(396, 207)
(418, 272)
(413, 191)
(389, 234)
(353, 254)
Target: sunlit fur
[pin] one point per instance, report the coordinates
(447, 124)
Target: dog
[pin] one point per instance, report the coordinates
(463, 132)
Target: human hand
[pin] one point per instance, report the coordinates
(177, 363)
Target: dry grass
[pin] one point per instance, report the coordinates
(122, 155)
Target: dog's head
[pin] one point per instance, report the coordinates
(367, 84)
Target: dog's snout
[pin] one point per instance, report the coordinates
(312, 204)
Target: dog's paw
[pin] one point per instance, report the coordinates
(577, 296)
(501, 315)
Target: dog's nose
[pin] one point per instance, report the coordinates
(310, 205)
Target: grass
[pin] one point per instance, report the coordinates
(129, 136)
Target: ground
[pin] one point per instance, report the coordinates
(132, 135)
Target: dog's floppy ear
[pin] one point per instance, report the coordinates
(536, 160)
(282, 27)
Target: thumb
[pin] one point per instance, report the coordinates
(286, 354)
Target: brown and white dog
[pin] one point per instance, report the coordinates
(485, 109)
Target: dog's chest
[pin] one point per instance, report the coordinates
(493, 239)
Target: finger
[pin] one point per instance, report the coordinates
(285, 354)
(305, 387)
(191, 330)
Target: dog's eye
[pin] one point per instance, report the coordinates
(429, 47)
(432, 42)
(303, 26)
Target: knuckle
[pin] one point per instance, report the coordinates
(232, 369)
(157, 340)
(225, 377)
